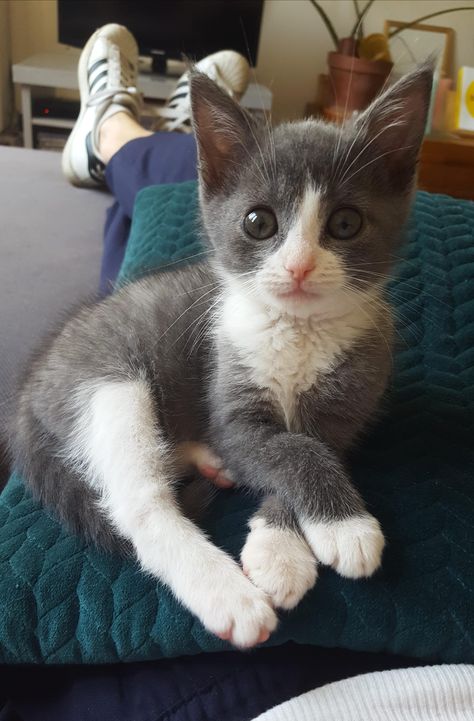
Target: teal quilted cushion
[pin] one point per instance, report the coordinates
(64, 602)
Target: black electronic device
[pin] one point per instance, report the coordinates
(168, 28)
(46, 107)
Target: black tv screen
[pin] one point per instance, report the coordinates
(192, 27)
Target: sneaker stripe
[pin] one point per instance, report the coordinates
(96, 65)
(97, 78)
(95, 166)
(178, 96)
(98, 71)
(181, 84)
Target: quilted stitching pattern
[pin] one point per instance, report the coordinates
(64, 602)
(165, 230)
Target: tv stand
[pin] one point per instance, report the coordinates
(58, 69)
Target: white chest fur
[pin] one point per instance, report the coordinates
(285, 354)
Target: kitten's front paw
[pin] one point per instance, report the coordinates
(236, 611)
(279, 562)
(352, 546)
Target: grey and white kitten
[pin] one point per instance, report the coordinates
(260, 365)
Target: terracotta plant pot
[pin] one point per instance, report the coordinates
(355, 82)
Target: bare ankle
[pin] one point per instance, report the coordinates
(116, 131)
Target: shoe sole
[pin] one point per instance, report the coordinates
(66, 162)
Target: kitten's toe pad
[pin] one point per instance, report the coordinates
(217, 475)
(278, 561)
(207, 463)
(353, 546)
(238, 612)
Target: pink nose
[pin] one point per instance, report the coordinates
(300, 269)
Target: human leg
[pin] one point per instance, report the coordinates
(108, 144)
(159, 158)
(110, 105)
(117, 131)
(107, 75)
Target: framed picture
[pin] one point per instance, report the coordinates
(411, 44)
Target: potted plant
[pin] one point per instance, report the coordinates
(359, 66)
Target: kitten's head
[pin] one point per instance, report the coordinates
(308, 216)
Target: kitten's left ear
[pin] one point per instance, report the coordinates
(395, 124)
(225, 133)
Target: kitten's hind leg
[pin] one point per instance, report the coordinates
(128, 456)
(276, 556)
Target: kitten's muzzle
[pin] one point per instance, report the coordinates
(300, 268)
(297, 291)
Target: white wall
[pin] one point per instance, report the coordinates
(294, 42)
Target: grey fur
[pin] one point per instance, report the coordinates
(157, 328)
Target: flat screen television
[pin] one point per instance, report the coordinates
(171, 27)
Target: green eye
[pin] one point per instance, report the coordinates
(344, 223)
(260, 223)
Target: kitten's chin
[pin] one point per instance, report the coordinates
(304, 304)
(299, 295)
(298, 302)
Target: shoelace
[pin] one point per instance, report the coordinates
(110, 93)
(178, 118)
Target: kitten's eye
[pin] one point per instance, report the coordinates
(260, 223)
(344, 223)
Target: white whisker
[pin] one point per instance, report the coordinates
(374, 160)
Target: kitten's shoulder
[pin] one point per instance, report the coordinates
(170, 282)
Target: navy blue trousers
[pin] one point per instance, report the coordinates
(233, 686)
(155, 160)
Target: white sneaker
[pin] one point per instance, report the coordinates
(228, 69)
(108, 69)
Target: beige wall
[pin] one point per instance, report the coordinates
(5, 85)
(293, 45)
(32, 27)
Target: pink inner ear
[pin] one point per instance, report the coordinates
(221, 128)
(395, 122)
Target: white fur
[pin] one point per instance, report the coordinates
(353, 546)
(287, 343)
(132, 466)
(301, 244)
(279, 561)
(286, 354)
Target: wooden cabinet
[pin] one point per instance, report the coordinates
(447, 166)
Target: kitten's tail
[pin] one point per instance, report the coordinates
(35, 456)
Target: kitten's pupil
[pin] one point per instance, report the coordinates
(260, 223)
(344, 223)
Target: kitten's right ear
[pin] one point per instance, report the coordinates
(395, 122)
(224, 132)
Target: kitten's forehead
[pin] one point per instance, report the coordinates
(306, 153)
